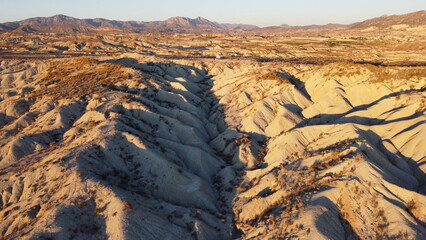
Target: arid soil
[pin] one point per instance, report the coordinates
(212, 136)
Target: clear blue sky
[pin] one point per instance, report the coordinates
(258, 12)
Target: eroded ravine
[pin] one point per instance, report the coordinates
(152, 149)
(337, 162)
(140, 154)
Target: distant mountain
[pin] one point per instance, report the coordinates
(327, 26)
(284, 28)
(411, 19)
(56, 24)
(187, 23)
(66, 24)
(385, 22)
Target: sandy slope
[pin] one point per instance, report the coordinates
(213, 150)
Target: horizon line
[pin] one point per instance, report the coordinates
(312, 24)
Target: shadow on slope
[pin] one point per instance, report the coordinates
(73, 224)
(300, 85)
(341, 118)
(328, 229)
(161, 155)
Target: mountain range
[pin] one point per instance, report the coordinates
(414, 19)
(65, 24)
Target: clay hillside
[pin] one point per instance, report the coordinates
(211, 135)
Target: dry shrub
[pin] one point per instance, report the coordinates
(92, 124)
(382, 74)
(375, 73)
(272, 75)
(422, 106)
(411, 205)
(243, 139)
(127, 206)
(318, 165)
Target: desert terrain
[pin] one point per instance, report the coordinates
(242, 134)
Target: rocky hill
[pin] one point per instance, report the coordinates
(415, 19)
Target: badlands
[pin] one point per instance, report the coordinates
(237, 135)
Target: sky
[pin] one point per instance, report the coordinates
(258, 12)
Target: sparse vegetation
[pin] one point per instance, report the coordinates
(80, 77)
